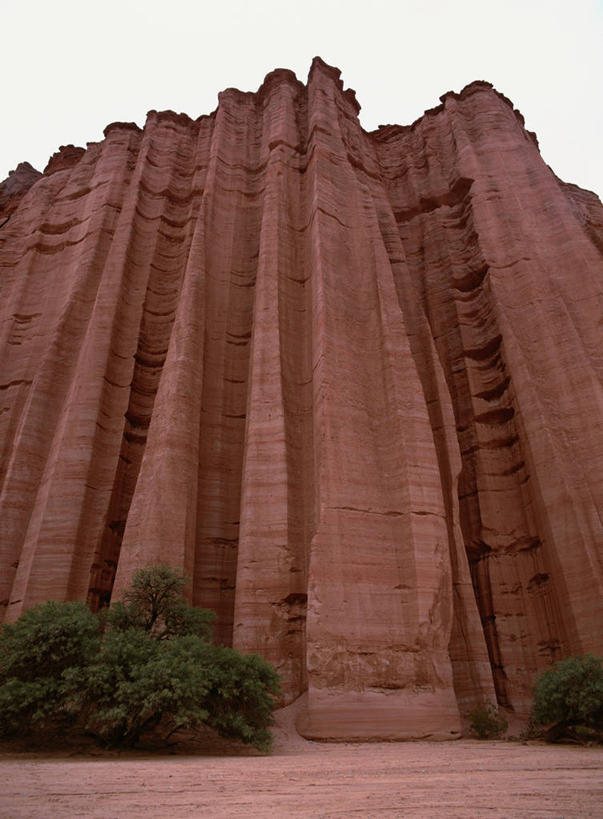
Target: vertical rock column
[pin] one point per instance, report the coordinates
(155, 265)
(472, 672)
(69, 224)
(379, 588)
(161, 523)
(235, 191)
(271, 576)
(545, 289)
(98, 332)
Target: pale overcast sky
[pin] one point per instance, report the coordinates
(69, 68)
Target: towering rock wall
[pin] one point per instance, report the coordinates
(350, 382)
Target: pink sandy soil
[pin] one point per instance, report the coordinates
(467, 778)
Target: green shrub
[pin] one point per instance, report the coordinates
(486, 722)
(137, 682)
(43, 657)
(570, 694)
(154, 665)
(241, 698)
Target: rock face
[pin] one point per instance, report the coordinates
(14, 187)
(350, 382)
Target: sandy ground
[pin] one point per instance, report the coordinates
(467, 778)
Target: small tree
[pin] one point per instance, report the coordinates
(570, 695)
(155, 604)
(154, 665)
(157, 664)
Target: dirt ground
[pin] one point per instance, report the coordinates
(467, 778)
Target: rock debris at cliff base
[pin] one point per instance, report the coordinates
(349, 382)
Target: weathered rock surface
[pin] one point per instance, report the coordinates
(15, 186)
(350, 382)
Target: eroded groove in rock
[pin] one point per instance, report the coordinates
(349, 382)
(448, 259)
(169, 155)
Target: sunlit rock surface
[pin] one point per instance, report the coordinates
(350, 382)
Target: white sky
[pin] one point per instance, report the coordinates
(69, 68)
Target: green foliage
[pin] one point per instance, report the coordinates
(155, 604)
(138, 682)
(570, 694)
(42, 657)
(153, 666)
(48, 639)
(486, 722)
(240, 701)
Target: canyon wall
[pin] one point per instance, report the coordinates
(349, 382)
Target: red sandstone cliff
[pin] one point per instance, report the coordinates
(350, 382)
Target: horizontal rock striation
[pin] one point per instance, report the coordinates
(349, 382)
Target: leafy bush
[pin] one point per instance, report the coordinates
(570, 694)
(138, 681)
(43, 657)
(240, 701)
(486, 722)
(153, 665)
